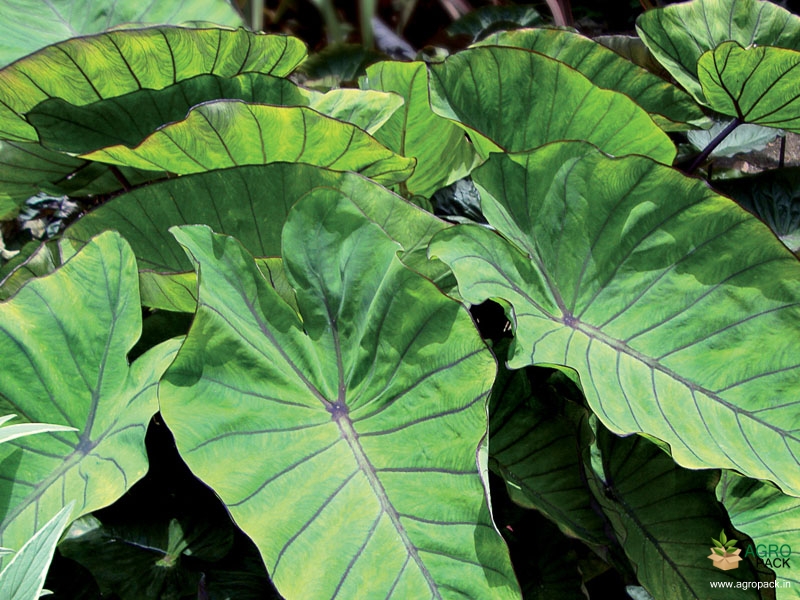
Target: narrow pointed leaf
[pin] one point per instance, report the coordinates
(659, 306)
(770, 518)
(251, 204)
(679, 34)
(28, 25)
(664, 517)
(756, 84)
(350, 407)
(522, 100)
(130, 118)
(11, 432)
(228, 133)
(85, 70)
(79, 378)
(670, 107)
(443, 153)
(23, 577)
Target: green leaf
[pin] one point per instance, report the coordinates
(679, 34)
(443, 153)
(39, 262)
(522, 100)
(354, 437)
(79, 378)
(84, 70)
(770, 518)
(756, 84)
(534, 445)
(131, 118)
(723, 538)
(251, 203)
(228, 133)
(28, 25)
(24, 575)
(664, 516)
(672, 108)
(657, 305)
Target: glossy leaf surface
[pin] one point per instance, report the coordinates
(84, 70)
(669, 106)
(522, 100)
(657, 305)
(28, 25)
(354, 406)
(90, 387)
(757, 85)
(228, 133)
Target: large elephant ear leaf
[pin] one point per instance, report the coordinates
(754, 84)
(679, 34)
(518, 100)
(85, 70)
(659, 306)
(36, 25)
(672, 108)
(353, 436)
(771, 519)
(229, 133)
(79, 378)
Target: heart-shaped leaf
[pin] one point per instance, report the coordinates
(522, 100)
(228, 133)
(755, 84)
(85, 70)
(354, 437)
(679, 34)
(79, 378)
(28, 25)
(669, 106)
(657, 305)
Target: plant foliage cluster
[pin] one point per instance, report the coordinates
(258, 272)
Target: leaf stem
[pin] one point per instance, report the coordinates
(713, 144)
(120, 177)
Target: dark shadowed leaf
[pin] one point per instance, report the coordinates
(482, 21)
(521, 100)
(27, 25)
(535, 445)
(771, 519)
(665, 518)
(355, 405)
(657, 305)
(79, 377)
